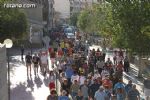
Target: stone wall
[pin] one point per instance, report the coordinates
(3, 74)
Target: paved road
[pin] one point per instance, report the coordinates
(23, 88)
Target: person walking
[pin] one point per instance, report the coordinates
(44, 63)
(85, 89)
(74, 88)
(22, 52)
(74, 77)
(100, 94)
(100, 65)
(115, 57)
(128, 87)
(53, 95)
(69, 72)
(65, 86)
(147, 88)
(28, 60)
(121, 94)
(63, 96)
(133, 94)
(126, 64)
(79, 96)
(119, 89)
(93, 88)
(36, 61)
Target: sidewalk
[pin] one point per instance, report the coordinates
(23, 87)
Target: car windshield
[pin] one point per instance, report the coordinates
(68, 30)
(70, 34)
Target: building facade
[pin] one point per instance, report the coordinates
(66, 8)
(62, 7)
(40, 18)
(78, 5)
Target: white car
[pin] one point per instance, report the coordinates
(70, 35)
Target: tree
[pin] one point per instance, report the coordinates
(13, 23)
(83, 20)
(73, 19)
(133, 18)
(98, 19)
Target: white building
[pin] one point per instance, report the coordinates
(68, 7)
(78, 5)
(63, 7)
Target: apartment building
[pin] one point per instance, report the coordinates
(66, 8)
(62, 7)
(78, 5)
(39, 18)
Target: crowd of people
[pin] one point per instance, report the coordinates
(84, 74)
(87, 75)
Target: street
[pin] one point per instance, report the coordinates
(23, 88)
(36, 88)
(48, 49)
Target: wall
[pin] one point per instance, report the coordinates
(3, 74)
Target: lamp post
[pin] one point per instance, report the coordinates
(8, 43)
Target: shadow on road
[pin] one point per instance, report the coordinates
(30, 84)
(20, 93)
(14, 64)
(15, 59)
(46, 81)
(38, 81)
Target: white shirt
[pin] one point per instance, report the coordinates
(74, 77)
(81, 80)
(44, 59)
(60, 66)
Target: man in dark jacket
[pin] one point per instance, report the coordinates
(93, 88)
(126, 64)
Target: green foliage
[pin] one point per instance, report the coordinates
(133, 17)
(83, 19)
(125, 22)
(99, 20)
(13, 23)
(73, 19)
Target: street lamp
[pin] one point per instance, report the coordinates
(8, 43)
